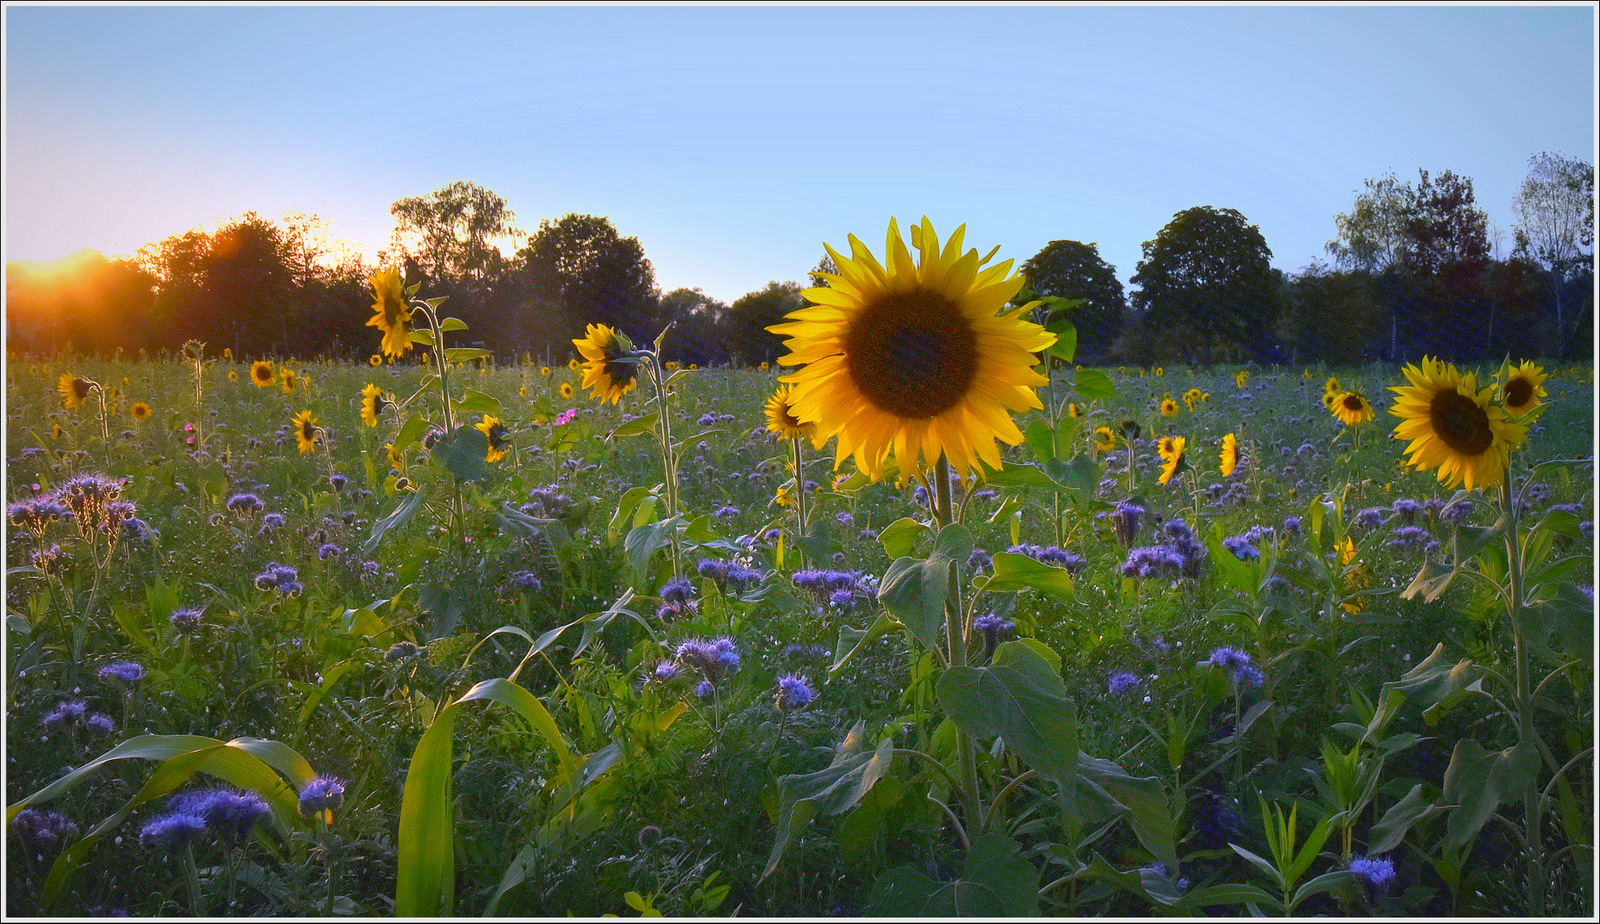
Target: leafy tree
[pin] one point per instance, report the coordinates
(1333, 315)
(1446, 235)
(1555, 221)
(824, 265)
(1207, 279)
(1070, 269)
(698, 333)
(1372, 234)
(750, 315)
(450, 232)
(579, 269)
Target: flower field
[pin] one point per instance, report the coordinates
(439, 636)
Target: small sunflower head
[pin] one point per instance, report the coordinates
(1174, 463)
(74, 389)
(782, 420)
(1351, 408)
(495, 432)
(1230, 455)
(391, 312)
(1521, 387)
(372, 404)
(262, 374)
(611, 365)
(306, 431)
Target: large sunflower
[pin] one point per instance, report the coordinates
(1521, 387)
(306, 431)
(495, 432)
(1351, 408)
(1453, 427)
(781, 419)
(262, 374)
(372, 404)
(1173, 456)
(391, 313)
(1230, 455)
(74, 388)
(914, 360)
(611, 368)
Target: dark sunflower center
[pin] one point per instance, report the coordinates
(80, 387)
(1518, 392)
(912, 354)
(621, 373)
(1352, 402)
(1459, 421)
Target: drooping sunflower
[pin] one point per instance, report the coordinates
(1105, 439)
(1453, 426)
(391, 314)
(1230, 455)
(1521, 387)
(288, 379)
(1192, 397)
(1169, 407)
(138, 410)
(1167, 447)
(914, 359)
(262, 374)
(1351, 408)
(74, 388)
(1174, 461)
(372, 404)
(495, 432)
(1240, 377)
(781, 419)
(611, 369)
(306, 431)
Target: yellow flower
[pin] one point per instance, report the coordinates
(262, 374)
(289, 380)
(397, 460)
(1173, 459)
(1167, 447)
(611, 367)
(233, 376)
(1169, 407)
(1230, 455)
(1330, 391)
(227, 352)
(1192, 397)
(914, 360)
(1240, 377)
(694, 367)
(544, 370)
(372, 404)
(765, 366)
(1351, 408)
(1160, 372)
(574, 365)
(1521, 387)
(74, 388)
(1105, 439)
(139, 410)
(306, 431)
(375, 359)
(391, 314)
(782, 498)
(1452, 426)
(495, 431)
(1306, 374)
(781, 419)
(566, 390)
(1072, 410)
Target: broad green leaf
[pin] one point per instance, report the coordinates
(410, 432)
(1066, 345)
(644, 541)
(996, 882)
(1392, 828)
(1020, 698)
(644, 423)
(1141, 800)
(1093, 385)
(1014, 572)
(452, 324)
(399, 515)
(1477, 781)
(916, 589)
(465, 354)
(476, 402)
(829, 791)
(1436, 684)
(463, 453)
(851, 641)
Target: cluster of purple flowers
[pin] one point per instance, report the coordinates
(1052, 555)
(95, 504)
(1412, 537)
(1291, 526)
(322, 797)
(1180, 555)
(725, 512)
(1406, 509)
(548, 503)
(1458, 512)
(42, 832)
(126, 672)
(328, 550)
(993, 629)
(1247, 545)
(980, 561)
(280, 578)
(1125, 519)
(37, 513)
(677, 600)
(712, 659)
(245, 504)
(729, 576)
(1375, 874)
(1367, 518)
(186, 619)
(73, 713)
(793, 693)
(1121, 682)
(228, 813)
(834, 588)
(525, 582)
(1244, 674)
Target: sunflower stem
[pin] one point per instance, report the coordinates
(1527, 734)
(799, 495)
(669, 466)
(956, 641)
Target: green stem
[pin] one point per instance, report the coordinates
(1526, 733)
(956, 627)
(799, 493)
(669, 467)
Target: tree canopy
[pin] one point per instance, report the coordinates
(1072, 269)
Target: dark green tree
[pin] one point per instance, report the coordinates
(579, 270)
(749, 341)
(699, 327)
(1371, 236)
(1555, 225)
(1071, 269)
(452, 232)
(1334, 316)
(1206, 287)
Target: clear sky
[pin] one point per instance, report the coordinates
(733, 141)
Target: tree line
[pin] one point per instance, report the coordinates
(1411, 270)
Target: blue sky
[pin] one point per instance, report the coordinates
(734, 141)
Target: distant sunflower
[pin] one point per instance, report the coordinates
(781, 419)
(574, 365)
(372, 404)
(262, 373)
(1160, 372)
(1192, 397)
(391, 314)
(1169, 407)
(1453, 426)
(1330, 391)
(306, 431)
(1521, 387)
(495, 432)
(544, 370)
(397, 460)
(233, 376)
(1168, 446)
(914, 360)
(566, 390)
(1105, 439)
(375, 359)
(74, 388)
(611, 368)
(1072, 410)
(138, 410)
(765, 366)
(1351, 408)
(1240, 377)
(1174, 462)
(1230, 455)
(288, 379)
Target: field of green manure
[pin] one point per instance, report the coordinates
(243, 679)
